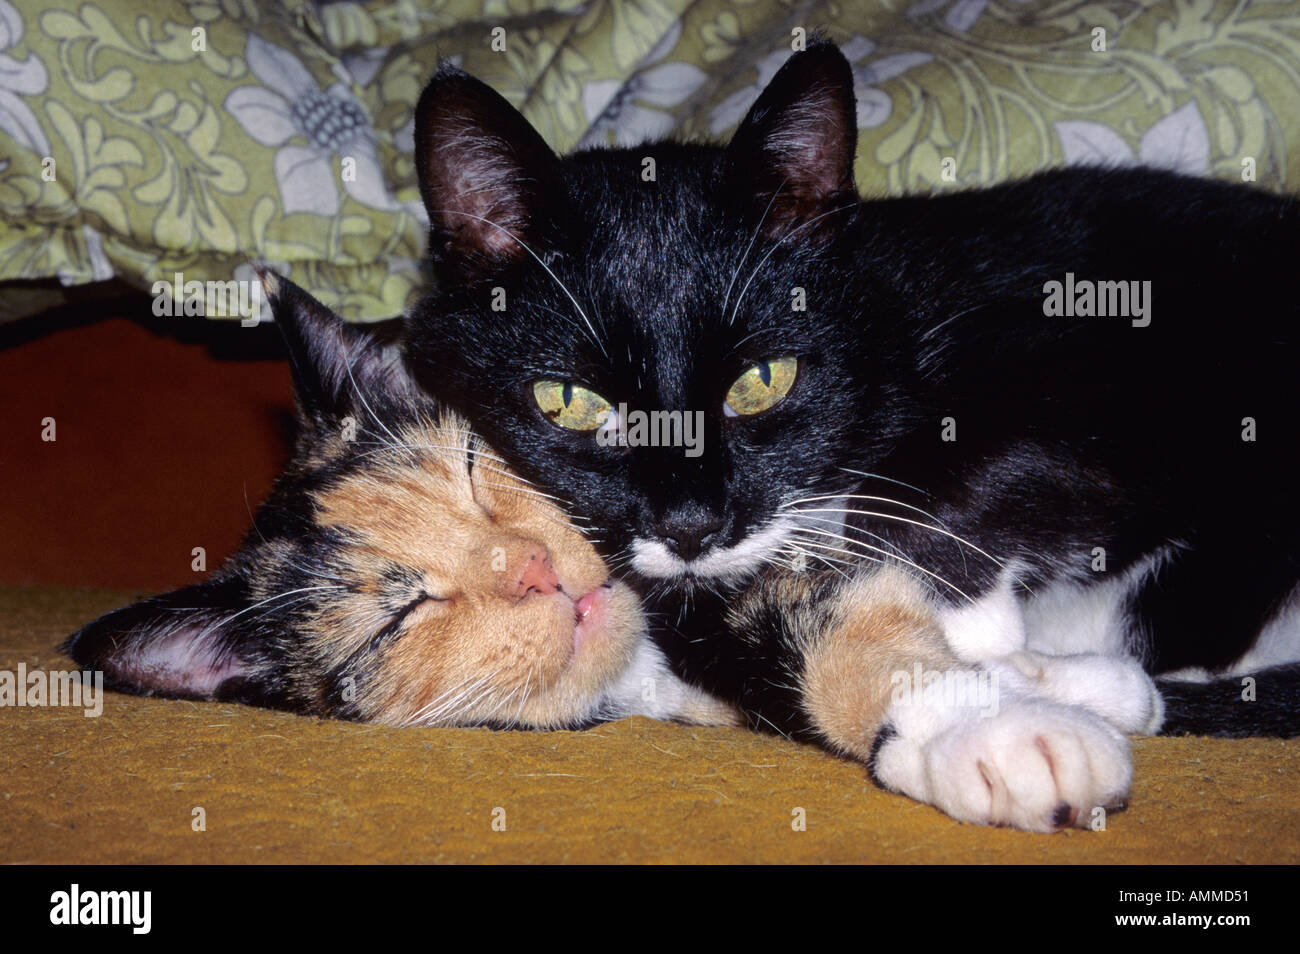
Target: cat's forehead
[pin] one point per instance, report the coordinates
(658, 211)
(650, 260)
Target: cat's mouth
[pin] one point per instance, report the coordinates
(590, 614)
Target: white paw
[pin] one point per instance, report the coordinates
(1113, 687)
(1036, 765)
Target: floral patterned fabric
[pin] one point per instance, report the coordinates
(140, 140)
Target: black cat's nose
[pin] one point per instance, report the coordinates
(689, 534)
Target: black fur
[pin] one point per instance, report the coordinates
(883, 736)
(1219, 709)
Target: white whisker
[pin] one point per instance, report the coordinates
(890, 516)
(775, 246)
(914, 565)
(741, 264)
(524, 245)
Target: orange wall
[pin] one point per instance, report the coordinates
(157, 443)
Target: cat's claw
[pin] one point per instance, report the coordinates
(1116, 688)
(1035, 765)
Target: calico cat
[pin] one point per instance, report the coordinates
(397, 574)
(893, 380)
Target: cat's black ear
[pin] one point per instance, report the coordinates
(793, 153)
(488, 180)
(178, 644)
(338, 368)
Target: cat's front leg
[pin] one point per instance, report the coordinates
(990, 631)
(881, 684)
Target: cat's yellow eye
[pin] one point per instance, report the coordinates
(571, 405)
(761, 387)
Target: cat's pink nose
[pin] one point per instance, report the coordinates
(536, 575)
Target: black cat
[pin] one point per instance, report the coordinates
(1067, 403)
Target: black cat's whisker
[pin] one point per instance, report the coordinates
(814, 515)
(800, 550)
(788, 235)
(741, 264)
(864, 473)
(567, 319)
(855, 560)
(617, 566)
(926, 335)
(830, 563)
(875, 536)
(876, 549)
(784, 557)
(736, 348)
(848, 496)
(537, 258)
(799, 547)
(887, 516)
(845, 525)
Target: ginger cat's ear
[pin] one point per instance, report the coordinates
(793, 153)
(181, 644)
(489, 181)
(338, 368)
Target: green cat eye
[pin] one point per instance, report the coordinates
(762, 386)
(570, 405)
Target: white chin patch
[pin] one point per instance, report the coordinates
(654, 559)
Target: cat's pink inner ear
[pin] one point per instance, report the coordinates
(813, 143)
(481, 206)
(184, 660)
(485, 174)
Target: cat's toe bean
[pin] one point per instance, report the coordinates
(1035, 766)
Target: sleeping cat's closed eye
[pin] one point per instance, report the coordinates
(422, 601)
